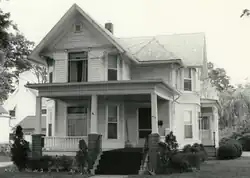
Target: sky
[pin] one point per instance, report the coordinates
(227, 35)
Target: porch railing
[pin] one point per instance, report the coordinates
(63, 143)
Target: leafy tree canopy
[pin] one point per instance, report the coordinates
(16, 48)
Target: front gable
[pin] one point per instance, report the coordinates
(85, 36)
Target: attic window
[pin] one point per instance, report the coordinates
(78, 27)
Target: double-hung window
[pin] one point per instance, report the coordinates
(112, 121)
(187, 79)
(112, 67)
(78, 67)
(188, 127)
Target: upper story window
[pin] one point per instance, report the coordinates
(187, 79)
(112, 67)
(78, 28)
(78, 67)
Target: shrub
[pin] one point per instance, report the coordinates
(44, 163)
(185, 161)
(171, 141)
(245, 142)
(65, 162)
(227, 151)
(82, 156)
(19, 149)
(187, 148)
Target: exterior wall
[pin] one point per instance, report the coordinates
(5, 129)
(179, 123)
(151, 72)
(23, 95)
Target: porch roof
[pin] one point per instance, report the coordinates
(105, 88)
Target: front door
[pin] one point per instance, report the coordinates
(77, 121)
(144, 125)
(205, 130)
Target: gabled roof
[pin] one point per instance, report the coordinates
(2, 110)
(187, 49)
(29, 122)
(71, 12)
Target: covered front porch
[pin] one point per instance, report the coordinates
(208, 123)
(122, 114)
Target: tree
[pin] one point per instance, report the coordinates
(218, 77)
(16, 48)
(245, 12)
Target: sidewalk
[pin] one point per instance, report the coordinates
(4, 164)
(110, 176)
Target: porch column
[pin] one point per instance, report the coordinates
(93, 117)
(154, 113)
(38, 126)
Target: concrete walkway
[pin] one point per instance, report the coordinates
(110, 176)
(4, 164)
(245, 154)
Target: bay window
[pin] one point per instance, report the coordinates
(188, 126)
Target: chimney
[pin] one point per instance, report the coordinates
(109, 27)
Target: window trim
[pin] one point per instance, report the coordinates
(118, 65)
(80, 30)
(192, 124)
(107, 122)
(189, 79)
(74, 60)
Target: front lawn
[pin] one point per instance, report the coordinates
(237, 168)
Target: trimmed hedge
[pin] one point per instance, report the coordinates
(245, 142)
(229, 149)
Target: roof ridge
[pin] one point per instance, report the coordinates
(172, 34)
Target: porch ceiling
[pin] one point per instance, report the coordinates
(126, 87)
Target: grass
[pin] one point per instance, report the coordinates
(238, 168)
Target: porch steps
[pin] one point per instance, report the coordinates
(211, 151)
(92, 171)
(126, 161)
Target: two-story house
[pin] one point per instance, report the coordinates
(121, 87)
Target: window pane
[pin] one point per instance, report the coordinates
(187, 85)
(76, 110)
(50, 130)
(188, 131)
(112, 61)
(187, 73)
(144, 133)
(44, 111)
(12, 113)
(112, 74)
(112, 111)
(50, 77)
(78, 55)
(112, 131)
(112, 119)
(205, 123)
(73, 71)
(187, 117)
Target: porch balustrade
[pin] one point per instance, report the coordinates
(63, 143)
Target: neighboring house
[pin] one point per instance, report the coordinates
(121, 87)
(22, 102)
(4, 126)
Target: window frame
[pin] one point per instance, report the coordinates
(117, 122)
(190, 124)
(117, 66)
(189, 79)
(76, 60)
(75, 27)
